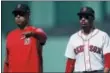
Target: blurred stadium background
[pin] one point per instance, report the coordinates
(59, 20)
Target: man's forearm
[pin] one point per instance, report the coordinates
(41, 37)
(106, 63)
(70, 66)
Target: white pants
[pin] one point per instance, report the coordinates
(99, 71)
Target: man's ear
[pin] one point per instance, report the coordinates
(91, 18)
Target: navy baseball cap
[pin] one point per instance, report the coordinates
(86, 11)
(21, 8)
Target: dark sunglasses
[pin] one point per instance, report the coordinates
(19, 13)
(84, 16)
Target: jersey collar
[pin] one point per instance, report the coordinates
(90, 35)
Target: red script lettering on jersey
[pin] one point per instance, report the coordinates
(92, 48)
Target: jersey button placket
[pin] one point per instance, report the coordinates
(86, 55)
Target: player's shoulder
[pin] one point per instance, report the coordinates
(11, 32)
(37, 29)
(34, 27)
(74, 35)
(102, 32)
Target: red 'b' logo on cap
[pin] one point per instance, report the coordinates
(19, 5)
(84, 9)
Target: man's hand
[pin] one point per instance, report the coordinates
(28, 34)
(106, 70)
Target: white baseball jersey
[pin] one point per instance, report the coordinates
(88, 50)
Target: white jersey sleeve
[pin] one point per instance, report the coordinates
(106, 44)
(69, 53)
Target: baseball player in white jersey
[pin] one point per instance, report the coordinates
(88, 50)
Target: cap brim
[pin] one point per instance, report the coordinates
(85, 13)
(17, 10)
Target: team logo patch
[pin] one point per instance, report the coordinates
(26, 41)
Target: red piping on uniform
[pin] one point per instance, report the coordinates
(84, 57)
(89, 56)
(84, 52)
